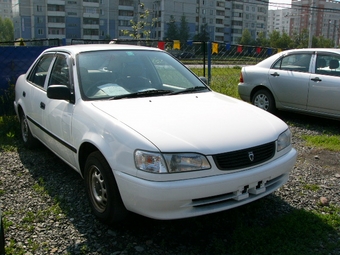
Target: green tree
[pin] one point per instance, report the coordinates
(246, 38)
(261, 40)
(6, 30)
(172, 32)
(300, 40)
(184, 30)
(203, 35)
(141, 25)
(274, 39)
(285, 41)
(322, 42)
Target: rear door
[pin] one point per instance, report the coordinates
(37, 79)
(324, 91)
(289, 78)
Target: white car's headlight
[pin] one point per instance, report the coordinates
(284, 140)
(170, 163)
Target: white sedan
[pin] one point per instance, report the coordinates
(147, 135)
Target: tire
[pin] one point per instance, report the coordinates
(102, 190)
(29, 141)
(2, 238)
(264, 100)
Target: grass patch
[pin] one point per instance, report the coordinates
(223, 80)
(329, 142)
(312, 187)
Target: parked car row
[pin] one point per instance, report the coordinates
(301, 80)
(147, 135)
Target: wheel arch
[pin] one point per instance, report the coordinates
(261, 87)
(84, 151)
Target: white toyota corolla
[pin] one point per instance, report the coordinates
(147, 135)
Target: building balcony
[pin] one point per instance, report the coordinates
(91, 26)
(91, 15)
(53, 36)
(56, 2)
(125, 8)
(90, 4)
(91, 37)
(56, 25)
(56, 13)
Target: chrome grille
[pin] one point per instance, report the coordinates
(245, 158)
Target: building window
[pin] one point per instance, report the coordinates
(39, 8)
(40, 31)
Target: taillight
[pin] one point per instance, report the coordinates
(241, 77)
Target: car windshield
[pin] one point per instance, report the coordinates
(117, 74)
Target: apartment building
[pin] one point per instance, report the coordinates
(5, 9)
(278, 20)
(319, 17)
(106, 19)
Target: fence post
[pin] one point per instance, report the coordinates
(209, 61)
(204, 52)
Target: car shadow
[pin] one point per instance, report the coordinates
(310, 122)
(267, 226)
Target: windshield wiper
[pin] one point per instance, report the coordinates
(145, 93)
(190, 90)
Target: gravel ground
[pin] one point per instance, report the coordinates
(47, 212)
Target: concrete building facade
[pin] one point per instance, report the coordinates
(106, 19)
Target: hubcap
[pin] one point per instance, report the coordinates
(262, 102)
(98, 189)
(24, 129)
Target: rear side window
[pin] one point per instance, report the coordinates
(294, 62)
(39, 72)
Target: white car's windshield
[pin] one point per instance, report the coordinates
(133, 73)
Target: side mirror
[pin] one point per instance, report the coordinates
(205, 80)
(59, 92)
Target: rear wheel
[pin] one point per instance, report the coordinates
(102, 190)
(27, 137)
(264, 100)
(2, 238)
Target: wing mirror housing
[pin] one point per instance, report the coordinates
(60, 92)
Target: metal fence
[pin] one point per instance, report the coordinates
(206, 57)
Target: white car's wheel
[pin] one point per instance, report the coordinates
(264, 100)
(102, 190)
(27, 137)
(2, 238)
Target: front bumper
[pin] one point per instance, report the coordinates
(194, 197)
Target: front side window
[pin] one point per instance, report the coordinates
(294, 62)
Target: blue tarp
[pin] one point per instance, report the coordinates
(14, 61)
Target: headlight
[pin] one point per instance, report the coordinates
(170, 163)
(284, 140)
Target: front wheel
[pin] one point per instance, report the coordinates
(264, 100)
(102, 190)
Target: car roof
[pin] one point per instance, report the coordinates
(313, 50)
(75, 49)
(269, 61)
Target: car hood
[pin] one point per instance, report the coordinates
(207, 123)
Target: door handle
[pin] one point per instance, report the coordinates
(274, 74)
(42, 105)
(316, 79)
